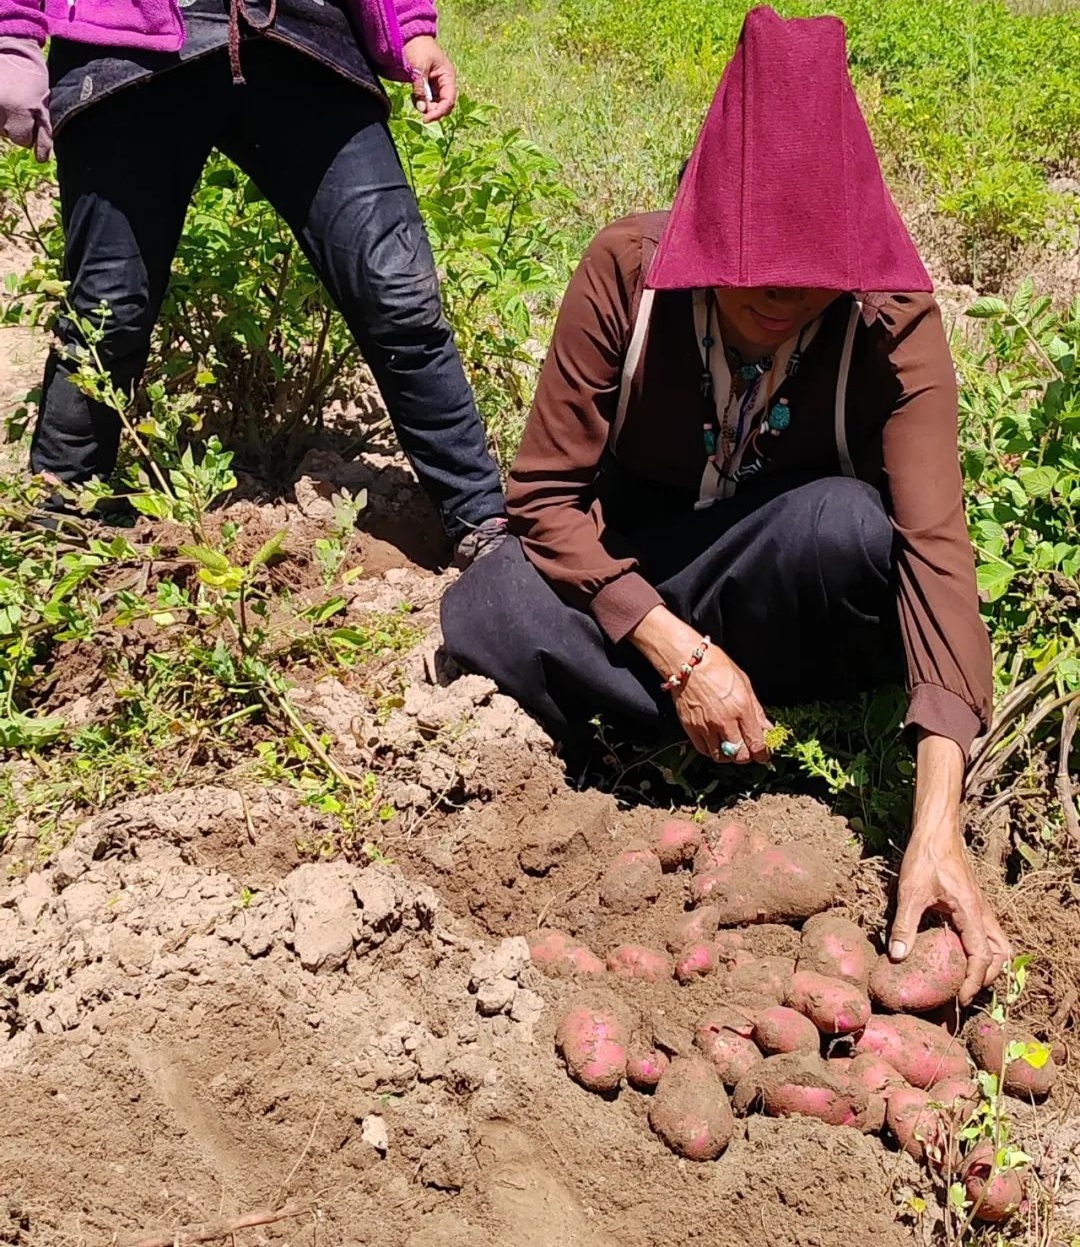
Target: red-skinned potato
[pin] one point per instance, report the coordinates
(837, 948)
(676, 843)
(920, 1053)
(644, 1066)
(592, 1042)
(556, 954)
(987, 1041)
(690, 1110)
(732, 1055)
(631, 882)
(781, 1029)
(873, 1075)
(720, 847)
(958, 1097)
(928, 977)
(695, 962)
(915, 1124)
(995, 1196)
(697, 927)
(835, 1006)
(783, 883)
(765, 976)
(802, 1084)
(729, 946)
(635, 961)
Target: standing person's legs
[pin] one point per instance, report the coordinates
(322, 154)
(796, 586)
(127, 167)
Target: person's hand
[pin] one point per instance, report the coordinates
(431, 65)
(24, 96)
(936, 875)
(717, 704)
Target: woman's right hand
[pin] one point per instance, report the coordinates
(717, 703)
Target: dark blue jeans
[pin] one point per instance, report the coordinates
(318, 148)
(794, 579)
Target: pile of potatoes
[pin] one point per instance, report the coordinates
(830, 1034)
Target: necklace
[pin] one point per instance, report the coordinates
(730, 438)
(777, 416)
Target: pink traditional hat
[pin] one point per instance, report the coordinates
(784, 186)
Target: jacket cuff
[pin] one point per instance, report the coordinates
(421, 24)
(24, 26)
(621, 605)
(943, 713)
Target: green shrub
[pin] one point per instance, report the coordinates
(493, 204)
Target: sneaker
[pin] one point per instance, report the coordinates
(481, 540)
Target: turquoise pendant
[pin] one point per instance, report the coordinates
(779, 416)
(710, 443)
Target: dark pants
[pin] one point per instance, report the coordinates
(796, 584)
(319, 150)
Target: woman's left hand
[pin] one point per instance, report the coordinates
(431, 65)
(936, 875)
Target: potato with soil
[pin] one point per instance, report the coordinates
(697, 927)
(765, 976)
(731, 1053)
(556, 954)
(837, 948)
(635, 961)
(915, 1124)
(592, 1042)
(644, 1067)
(920, 1053)
(676, 843)
(720, 847)
(802, 1084)
(631, 882)
(690, 1110)
(928, 977)
(995, 1194)
(873, 1075)
(781, 1029)
(696, 961)
(835, 1006)
(957, 1098)
(783, 883)
(1027, 1076)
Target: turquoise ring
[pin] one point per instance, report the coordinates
(730, 748)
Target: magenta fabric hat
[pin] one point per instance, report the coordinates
(784, 186)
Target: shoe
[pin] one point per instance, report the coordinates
(481, 540)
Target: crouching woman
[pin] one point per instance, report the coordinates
(739, 485)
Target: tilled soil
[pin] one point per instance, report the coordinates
(199, 1021)
(198, 1025)
(178, 1049)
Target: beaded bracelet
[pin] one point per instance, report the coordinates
(678, 678)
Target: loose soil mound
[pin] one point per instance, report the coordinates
(175, 1050)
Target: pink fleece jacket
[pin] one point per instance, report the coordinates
(158, 26)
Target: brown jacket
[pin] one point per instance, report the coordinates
(901, 436)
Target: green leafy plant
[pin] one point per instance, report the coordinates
(492, 203)
(1021, 431)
